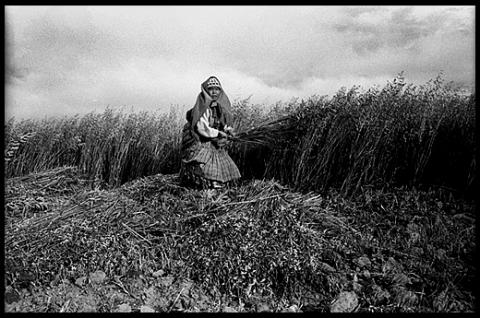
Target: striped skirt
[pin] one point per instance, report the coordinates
(206, 166)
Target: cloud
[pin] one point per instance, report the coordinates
(398, 29)
(66, 60)
(420, 41)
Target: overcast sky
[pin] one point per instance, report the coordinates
(76, 59)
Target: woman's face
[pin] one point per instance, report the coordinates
(214, 92)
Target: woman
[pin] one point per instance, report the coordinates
(205, 162)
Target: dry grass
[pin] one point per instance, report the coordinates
(398, 135)
(109, 148)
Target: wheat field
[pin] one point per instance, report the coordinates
(401, 134)
(359, 202)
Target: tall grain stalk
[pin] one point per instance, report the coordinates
(109, 148)
(380, 137)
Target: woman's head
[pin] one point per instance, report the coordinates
(213, 87)
(211, 90)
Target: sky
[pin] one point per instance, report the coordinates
(66, 60)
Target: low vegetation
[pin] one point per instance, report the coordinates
(257, 246)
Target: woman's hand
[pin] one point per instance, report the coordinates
(221, 134)
(221, 140)
(230, 131)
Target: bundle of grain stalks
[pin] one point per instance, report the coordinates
(266, 133)
(252, 145)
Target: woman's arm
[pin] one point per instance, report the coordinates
(204, 128)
